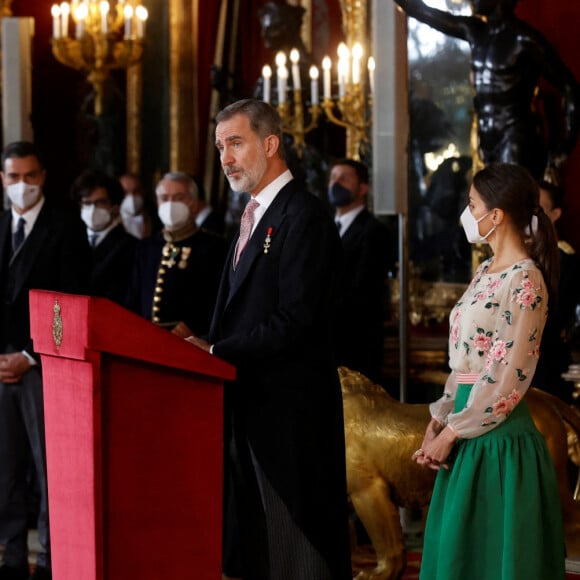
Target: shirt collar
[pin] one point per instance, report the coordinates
(267, 195)
(102, 234)
(30, 216)
(347, 218)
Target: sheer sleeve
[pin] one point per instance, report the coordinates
(443, 406)
(510, 358)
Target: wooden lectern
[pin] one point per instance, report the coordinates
(134, 443)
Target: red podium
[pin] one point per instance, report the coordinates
(134, 443)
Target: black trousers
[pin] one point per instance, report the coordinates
(22, 445)
(261, 539)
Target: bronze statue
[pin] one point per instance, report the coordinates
(280, 24)
(508, 60)
(381, 435)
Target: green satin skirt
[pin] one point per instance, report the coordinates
(496, 514)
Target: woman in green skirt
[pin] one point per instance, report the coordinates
(495, 512)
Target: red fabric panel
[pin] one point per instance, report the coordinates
(134, 448)
(72, 410)
(163, 472)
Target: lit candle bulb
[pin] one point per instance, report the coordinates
(343, 60)
(64, 14)
(314, 85)
(295, 58)
(371, 67)
(142, 15)
(357, 53)
(266, 75)
(104, 8)
(55, 11)
(81, 14)
(128, 14)
(342, 69)
(282, 84)
(281, 76)
(326, 66)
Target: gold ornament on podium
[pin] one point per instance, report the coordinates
(57, 328)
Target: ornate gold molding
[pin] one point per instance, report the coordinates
(183, 122)
(134, 107)
(354, 21)
(6, 8)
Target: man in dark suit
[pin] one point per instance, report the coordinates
(556, 347)
(177, 271)
(99, 197)
(285, 462)
(40, 248)
(206, 216)
(369, 253)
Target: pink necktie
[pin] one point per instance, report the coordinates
(246, 225)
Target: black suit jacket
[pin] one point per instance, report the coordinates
(189, 293)
(214, 222)
(112, 264)
(273, 321)
(54, 256)
(369, 250)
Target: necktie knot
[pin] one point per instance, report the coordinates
(93, 239)
(18, 236)
(246, 225)
(338, 225)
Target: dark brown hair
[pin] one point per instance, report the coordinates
(512, 189)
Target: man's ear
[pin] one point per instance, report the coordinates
(556, 214)
(271, 145)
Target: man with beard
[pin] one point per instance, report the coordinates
(285, 486)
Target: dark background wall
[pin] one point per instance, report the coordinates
(67, 137)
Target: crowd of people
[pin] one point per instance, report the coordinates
(299, 292)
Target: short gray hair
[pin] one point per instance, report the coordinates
(183, 178)
(264, 119)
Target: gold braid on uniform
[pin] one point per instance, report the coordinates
(171, 255)
(566, 247)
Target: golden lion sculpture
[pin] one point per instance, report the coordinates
(381, 435)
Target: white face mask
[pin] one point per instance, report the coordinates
(23, 195)
(471, 227)
(131, 204)
(173, 214)
(96, 218)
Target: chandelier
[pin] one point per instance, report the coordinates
(97, 36)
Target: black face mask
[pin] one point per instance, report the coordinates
(338, 195)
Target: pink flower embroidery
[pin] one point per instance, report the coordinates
(505, 405)
(482, 342)
(498, 350)
(526, 295)
(494, 286)
(455, 326)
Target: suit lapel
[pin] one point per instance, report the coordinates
(23, 261)
(273, 218)
(357, 225)
(5, 241)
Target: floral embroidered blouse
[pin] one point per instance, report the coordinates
(495, 332)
